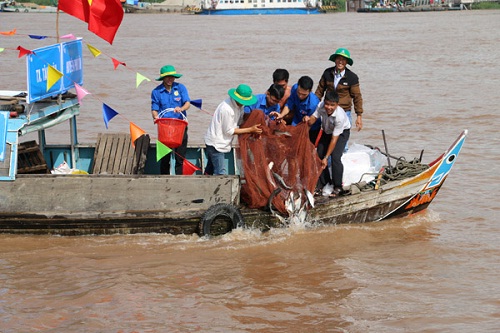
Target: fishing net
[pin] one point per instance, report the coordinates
(276, 163)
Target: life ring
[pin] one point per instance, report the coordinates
(220, 219)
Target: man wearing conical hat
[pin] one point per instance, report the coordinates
(170, 99)
(345, 82)
(225, 125)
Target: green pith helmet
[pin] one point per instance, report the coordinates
(342, 52)
(243, 95)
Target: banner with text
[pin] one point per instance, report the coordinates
(65, 57)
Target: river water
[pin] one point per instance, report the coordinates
(424, 76)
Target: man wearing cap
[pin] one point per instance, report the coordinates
(224, 125)
(342, 80)
(171, 100)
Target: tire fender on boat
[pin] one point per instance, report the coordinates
(221, 210)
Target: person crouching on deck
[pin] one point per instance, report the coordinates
(336, 129)
(171, 100)
(225, 125)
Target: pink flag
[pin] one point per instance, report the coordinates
(80, 92)
(68, 36)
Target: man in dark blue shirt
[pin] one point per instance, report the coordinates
(302, 102)
(171, 100)
(268, 102)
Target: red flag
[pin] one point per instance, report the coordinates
(23, 51)
(189, 168)
(103, 16)
(116, 63)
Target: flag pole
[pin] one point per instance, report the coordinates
(57, 25)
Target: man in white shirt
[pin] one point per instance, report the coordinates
(224, 125)
(336, 128)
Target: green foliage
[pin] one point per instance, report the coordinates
(486, 5)
(40, 2)
(340, 4)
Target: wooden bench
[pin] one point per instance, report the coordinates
(114, 154)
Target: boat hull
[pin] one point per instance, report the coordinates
(261, 11)
(102, 204)
(80, 204)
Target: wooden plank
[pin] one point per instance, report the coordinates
(117, 153)
(98, 154)
(5, 165)
(110, 154)
(128, 161)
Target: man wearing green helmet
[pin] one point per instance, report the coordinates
(345, 82)
(225, 125)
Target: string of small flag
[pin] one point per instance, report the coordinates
(54, 75)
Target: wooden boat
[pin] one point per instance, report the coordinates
(124, 193)
(262, 7)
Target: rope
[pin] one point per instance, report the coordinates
(404, 169)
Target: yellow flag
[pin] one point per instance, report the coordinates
(139, 78)
(95, 52)
(53, 75)
(1, 49)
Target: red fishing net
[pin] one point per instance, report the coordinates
(279, 161)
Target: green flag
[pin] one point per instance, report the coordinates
(161, 150)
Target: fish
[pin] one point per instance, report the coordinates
(250, 155)
(281, 181)
(297, 204)
(282, 133)
(270, 200)
(310, 197)
(268, 175)
(289, 204)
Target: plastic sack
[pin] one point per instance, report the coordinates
(361, 164)
(64, 169)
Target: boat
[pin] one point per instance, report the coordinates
(13, 7)
(135, 6)
(259, 7)
(114, 187)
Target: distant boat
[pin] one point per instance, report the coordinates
(259, 7)
(12, 6)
